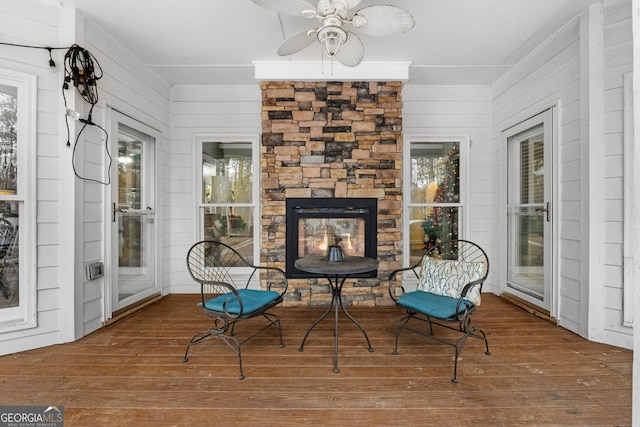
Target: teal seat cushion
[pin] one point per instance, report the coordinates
(437, 306)
(252, 300)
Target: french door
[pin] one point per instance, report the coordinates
(133, 213)
(529, 217)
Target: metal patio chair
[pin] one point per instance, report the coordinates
(450, 277)
(228, 298)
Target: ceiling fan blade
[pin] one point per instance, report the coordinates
(349, 4)
(289, 7)
(352, 3)
(351, 52)
(383, 20)
(296, 42)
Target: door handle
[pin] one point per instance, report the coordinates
(547, 209)
(116, 209)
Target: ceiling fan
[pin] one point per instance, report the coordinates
(337, 42)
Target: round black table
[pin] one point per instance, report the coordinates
(336, 273)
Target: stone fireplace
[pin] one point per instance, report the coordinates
(332, 140)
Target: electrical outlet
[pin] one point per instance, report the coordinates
(94, 270)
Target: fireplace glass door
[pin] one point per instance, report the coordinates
(315, 224)
(317, 234)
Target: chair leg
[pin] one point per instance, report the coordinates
(274, 321)
(239, 352)
(402, 323)
(473, 333)
(231, 340)
(196, 339)
(463, 328)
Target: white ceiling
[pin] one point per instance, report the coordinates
(216, 41)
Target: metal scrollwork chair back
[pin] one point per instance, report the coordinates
(225, 277)
(450, 278)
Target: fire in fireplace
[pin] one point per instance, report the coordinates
(315, 224)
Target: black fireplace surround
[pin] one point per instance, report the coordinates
(315, 223)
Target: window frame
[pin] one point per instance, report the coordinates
(254, 140)
(24, 316)
(463, 219)
(628, 247)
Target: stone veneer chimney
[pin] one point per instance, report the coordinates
(325, 140)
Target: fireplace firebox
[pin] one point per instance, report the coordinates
(313, 225)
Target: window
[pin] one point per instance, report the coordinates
(17, 220)
(435, 196)
(229, 192)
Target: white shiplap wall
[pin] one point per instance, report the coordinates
(618, 60)
(550, 76)
(37, 24)
(130, 87)
(195, 111)
(460, 110)
(554, 75)
(229, 110)
(71, 213)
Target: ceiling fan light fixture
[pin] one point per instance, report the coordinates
(358, 21)
(331, 38)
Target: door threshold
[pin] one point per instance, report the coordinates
(529, 307)
(124, 312)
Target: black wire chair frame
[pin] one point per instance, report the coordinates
(460, 307)
(209, 263)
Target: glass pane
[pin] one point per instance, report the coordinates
(133, 237)
(227, 172)
(430, 225)
(8, 140)
(526, 251)
(231, 225)
(129, 167)
(9, 255)
(526, 217)
(435, 179)
(435, 173)
(532, 170)
(317, 234)
(136, 216)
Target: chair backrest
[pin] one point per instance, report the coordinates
(210, 262)
(7, 236)
(449, 267)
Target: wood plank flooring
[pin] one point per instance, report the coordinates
(131, 373)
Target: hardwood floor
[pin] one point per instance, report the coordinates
(131, 373)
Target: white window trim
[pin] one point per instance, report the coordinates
(25, 315)
(465, 145)
(629, 194)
